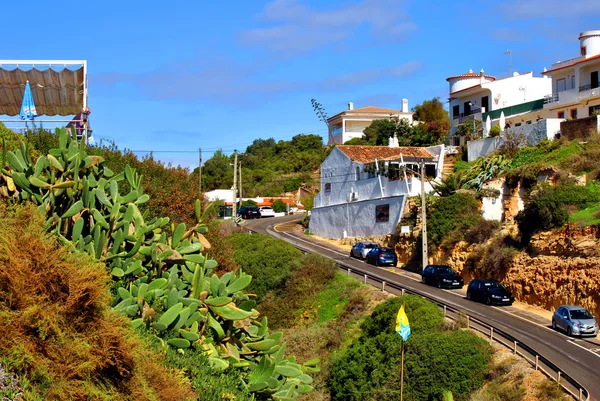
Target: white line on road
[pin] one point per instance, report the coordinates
(582, 347)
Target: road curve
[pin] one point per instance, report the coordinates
(578, 362)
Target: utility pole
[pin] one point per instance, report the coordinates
(509, 53)
(200, 174)
(234, 184)
(423, 217)
(241, 183)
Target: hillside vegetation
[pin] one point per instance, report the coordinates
(159, 276)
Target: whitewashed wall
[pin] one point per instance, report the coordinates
(356, 219)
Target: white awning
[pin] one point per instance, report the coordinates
(58, 87)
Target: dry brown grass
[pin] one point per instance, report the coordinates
(57, 330)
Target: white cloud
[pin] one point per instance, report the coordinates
(296, 28)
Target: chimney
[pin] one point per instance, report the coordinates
(350, 106)
(405, 105)
(393, 143)
(482, 76)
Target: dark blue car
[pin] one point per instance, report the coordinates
(382, 256)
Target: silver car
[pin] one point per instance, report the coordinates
(361, 249)
(575, 320)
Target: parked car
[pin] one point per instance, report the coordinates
(441, 276)
(266, 211)
(381, 256)
(489, 291)
(575, 320)
(249, 212)
(361, 249)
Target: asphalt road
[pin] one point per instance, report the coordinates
(579, 358)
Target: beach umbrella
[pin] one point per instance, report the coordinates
(502, 121)
(28, 111)
(488, 126)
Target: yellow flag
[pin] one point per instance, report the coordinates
(402, 325)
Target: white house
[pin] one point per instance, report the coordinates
(575, 83)
(351, 123)
(475, 96)
(364, 188)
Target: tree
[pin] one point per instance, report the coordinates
(431, 111)
(217, 173)
(380, 132)
(279, 206)
(249, 202)
(356, 141)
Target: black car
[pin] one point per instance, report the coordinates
(249, 212)
(442, 276)
(489, 291)
(382, 256)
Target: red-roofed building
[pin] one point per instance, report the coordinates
(364, 188)
(474, 96)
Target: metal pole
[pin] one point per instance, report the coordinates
(423, 217)
(491, 333)
(515, 348)
(383, 286)
(200, 173)
(240, 183)
(537, 361)
(365, 279)
(234, 184)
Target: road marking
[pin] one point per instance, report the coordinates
(582, 347)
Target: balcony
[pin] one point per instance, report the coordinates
(462, 117)
(571, 96)
(564, 97)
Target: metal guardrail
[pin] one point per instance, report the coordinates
(538, 361)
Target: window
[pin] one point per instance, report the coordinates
(573, 82)
(594, 80)
(455, 112)
(594, 110)
(561, 85)
(561, 114)
(485, 102)
(467, 108)
(357, 173)
(583, 50)
(328, 187)
(573, 114)
(382, 213)
(517, 124)
(528, 122)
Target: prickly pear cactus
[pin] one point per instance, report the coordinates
(162, 281)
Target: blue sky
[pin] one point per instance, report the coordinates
(179, 75)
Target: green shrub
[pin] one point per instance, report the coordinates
(383, 319)
(249, 202)
(311, 275)
(435, 361)
(495, 131)
(268, 260)
(279, 206)
(481, 232)
(546, 209)
(457, 211)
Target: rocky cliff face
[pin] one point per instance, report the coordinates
(559, 267)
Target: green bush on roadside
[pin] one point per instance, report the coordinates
(268, 260)
(435, 361)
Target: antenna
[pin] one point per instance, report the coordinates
(509, 53)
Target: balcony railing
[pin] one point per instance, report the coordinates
(572, 95)
(462, 117)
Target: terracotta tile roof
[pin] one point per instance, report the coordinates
(368, 154)
(470, 75)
